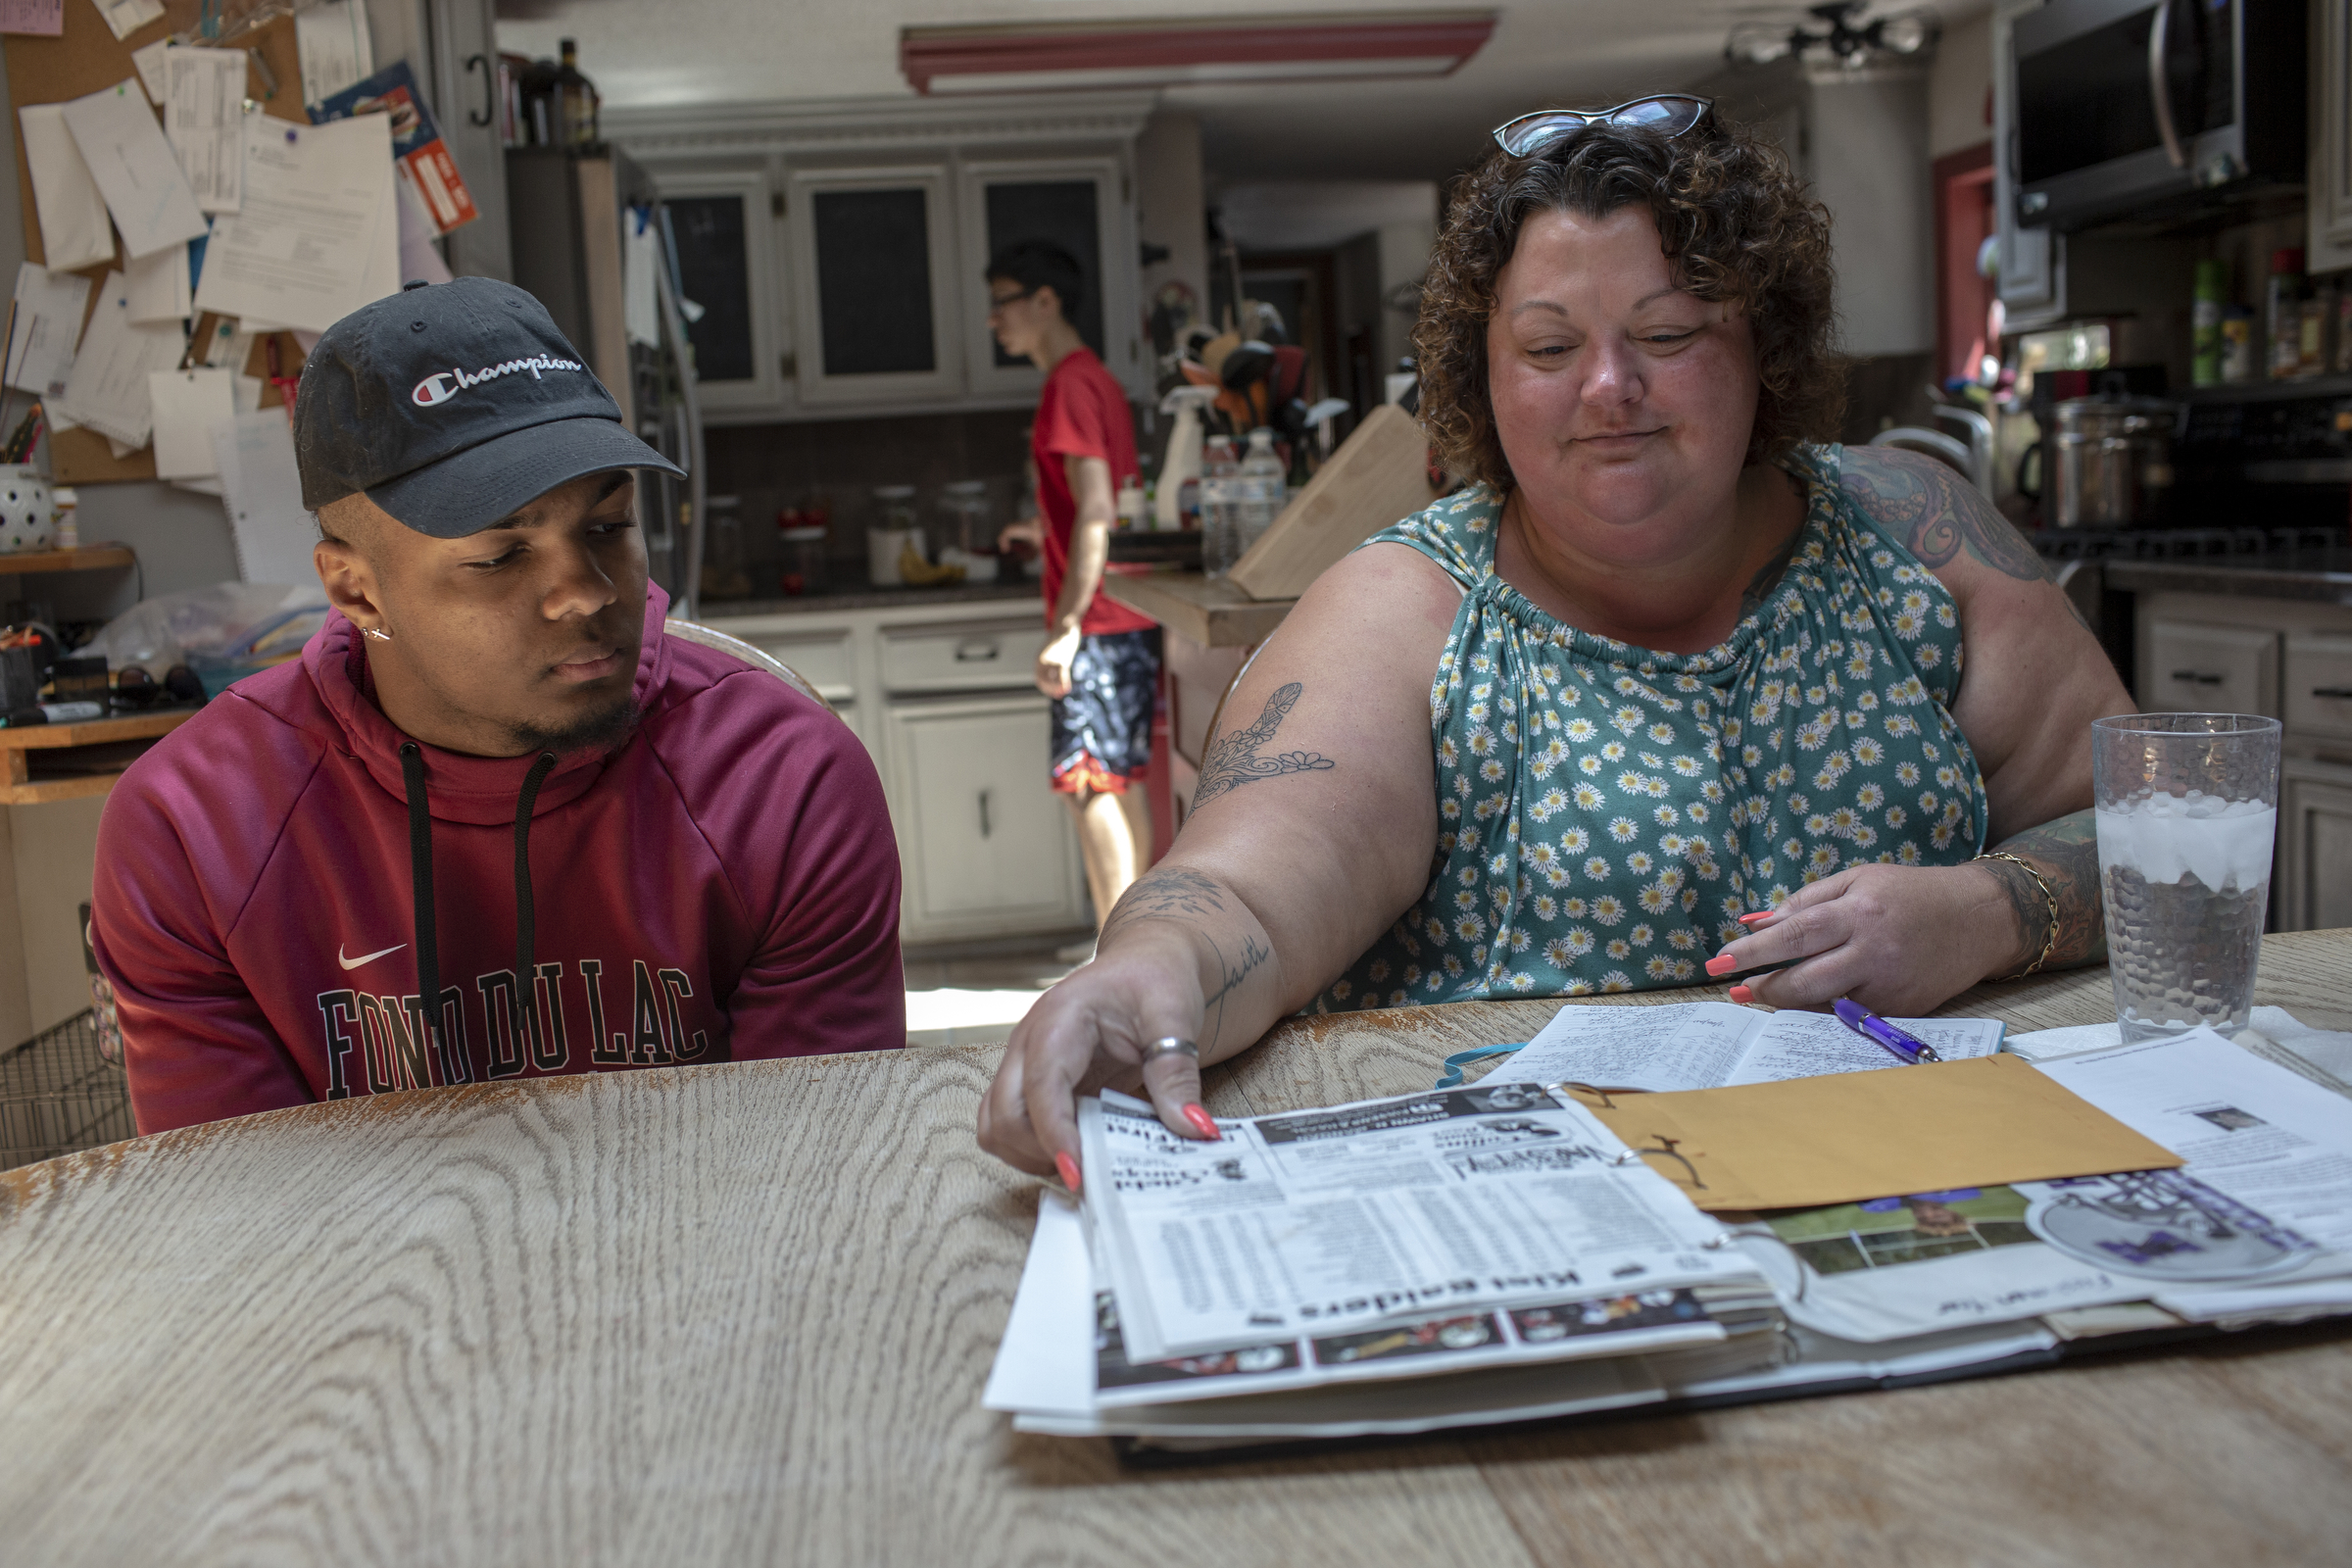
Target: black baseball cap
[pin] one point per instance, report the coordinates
(450, 406)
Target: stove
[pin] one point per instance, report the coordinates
(2181, 544)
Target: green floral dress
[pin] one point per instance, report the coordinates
(1607, 813)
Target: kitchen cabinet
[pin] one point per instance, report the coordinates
(2290, 660)
(985, 846)
(2196, 669)
(843, 246)
(940, 693)
(874, 285)
(2314, 880)
(719, 220)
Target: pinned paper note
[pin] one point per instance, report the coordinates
(159, 288)
(44, 19)
(149, 64)
(187, 405)
(332, 39)
(49, 307)
(204, 119)
(319, 234)
(126, 16)
(108, 389)
(146, 189)
(72, 214)
(262, 489)
(423, 156)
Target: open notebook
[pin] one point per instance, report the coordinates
(1714, 1044)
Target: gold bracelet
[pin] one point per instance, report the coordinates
(2047, 897)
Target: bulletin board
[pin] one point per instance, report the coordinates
(84, 59)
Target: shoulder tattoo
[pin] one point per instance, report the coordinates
(1936, 513)
(1241, 758)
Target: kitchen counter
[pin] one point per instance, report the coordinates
(866, 597)
(2322, 576)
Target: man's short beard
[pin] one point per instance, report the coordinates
(587, 733)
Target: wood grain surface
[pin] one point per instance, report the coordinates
(741, 1314)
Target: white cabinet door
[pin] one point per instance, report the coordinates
(877, 294)
(986, 846)
(722, 223)
(2315, 845)
(1080, 204)
(2194, 668)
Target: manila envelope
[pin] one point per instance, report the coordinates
(1845, 1137)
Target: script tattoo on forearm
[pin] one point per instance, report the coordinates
(2066, 852)
(1936, 513)
(1236, 761)
(1254, 954)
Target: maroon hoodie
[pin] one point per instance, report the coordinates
(722, 885)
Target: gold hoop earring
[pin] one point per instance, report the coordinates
(377, 633)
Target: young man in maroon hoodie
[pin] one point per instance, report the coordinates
(492, 823)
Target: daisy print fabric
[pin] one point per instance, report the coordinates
(1606, 813)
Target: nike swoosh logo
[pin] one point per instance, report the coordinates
(354, 964)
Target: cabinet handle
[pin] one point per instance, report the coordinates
(2195, 678)
(488, 111)
(984, 813)
(975, 653)
(2331, 691)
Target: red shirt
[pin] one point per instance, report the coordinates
(1081, 414)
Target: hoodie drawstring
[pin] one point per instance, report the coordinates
(526, 979)
(420, 892)
(420, 884)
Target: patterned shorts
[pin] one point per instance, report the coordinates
(1102, 729)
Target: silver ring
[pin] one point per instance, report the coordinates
(1170, 1045)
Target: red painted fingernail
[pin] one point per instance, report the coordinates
(1760, 915)
(1723, 963)
(1742, 995)
(1068, 1168)
(1202, 1122)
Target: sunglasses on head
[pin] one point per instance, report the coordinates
(1669, 115)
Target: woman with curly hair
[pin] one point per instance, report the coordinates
(1671, 690)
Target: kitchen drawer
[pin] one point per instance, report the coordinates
(823, 659)
(2319, 685)
(977, 655)
(2195, 669)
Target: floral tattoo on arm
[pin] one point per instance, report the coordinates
(1237, 758)
(1936, 513)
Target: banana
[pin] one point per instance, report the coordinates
(920, 573)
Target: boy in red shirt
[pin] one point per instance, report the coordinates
(1101, 667)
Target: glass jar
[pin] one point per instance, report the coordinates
(966, 521)
(893, 532)
(805, 570)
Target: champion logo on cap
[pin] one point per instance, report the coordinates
(435, 388)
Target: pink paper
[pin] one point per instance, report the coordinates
(46, 17)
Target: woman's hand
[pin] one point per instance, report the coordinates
(1900, 940)
(1087, 1034)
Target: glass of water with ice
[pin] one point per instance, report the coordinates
(2187, 811)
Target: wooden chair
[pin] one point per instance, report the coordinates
(735, 648)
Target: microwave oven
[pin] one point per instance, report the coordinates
(2142, 107)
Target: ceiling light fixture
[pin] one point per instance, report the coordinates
(1207, 51)
(1852, 43)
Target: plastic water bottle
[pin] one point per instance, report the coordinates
(1220, 478)
(1261, 487)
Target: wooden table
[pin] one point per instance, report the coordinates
(741, 1314)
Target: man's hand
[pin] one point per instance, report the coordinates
(1902, 941)
(1053, 663)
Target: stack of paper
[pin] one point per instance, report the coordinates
(318, 234)
(1388, 1260)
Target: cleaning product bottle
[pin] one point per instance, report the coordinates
(2283, 315)
(2211, 294)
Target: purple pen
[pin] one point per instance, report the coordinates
(1907, 1048)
